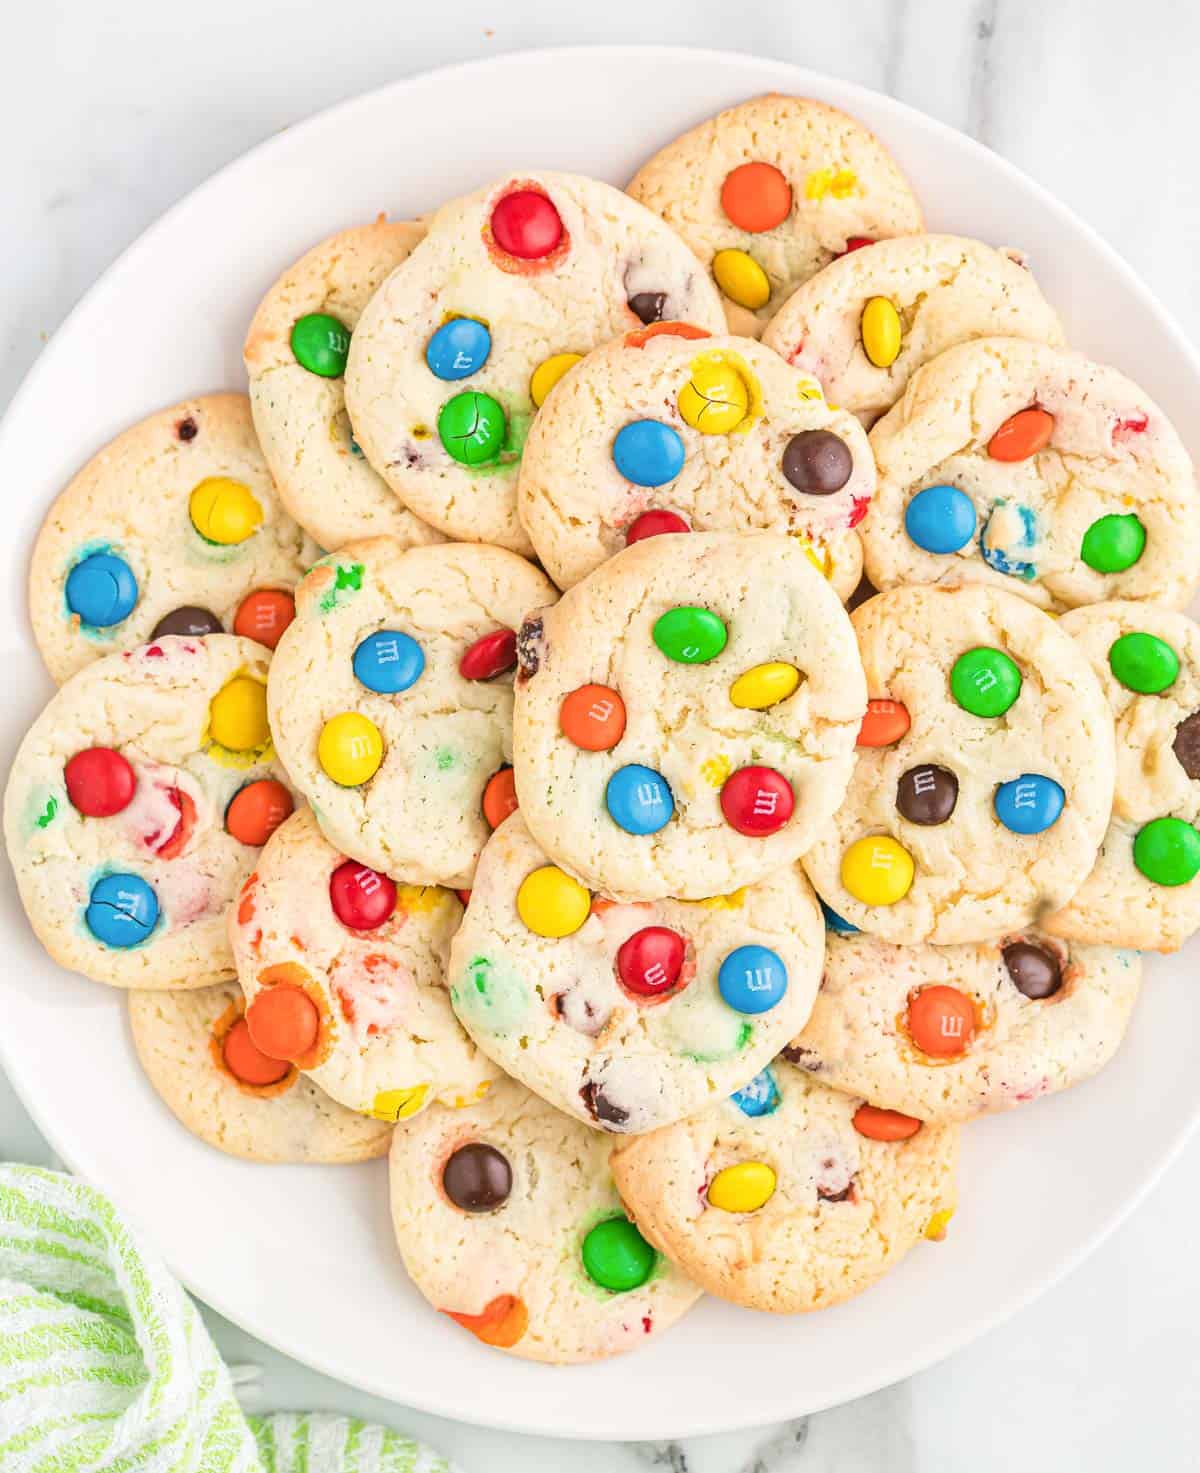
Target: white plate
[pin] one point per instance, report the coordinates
(302, 1257)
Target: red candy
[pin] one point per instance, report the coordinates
(100, 782)
(362, 898)
(650, 962)
(654, 524)
(526, 225)
(490, 655)
(856, 243)
(757, 801)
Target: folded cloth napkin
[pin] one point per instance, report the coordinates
(106, 1365)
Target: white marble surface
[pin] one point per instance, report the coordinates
(110, 112)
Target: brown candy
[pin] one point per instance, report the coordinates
(817, 462)
(190, 619)
(477, 1178)
(648, 306)
(1186, 745)
(927, 794)
(600, 1107)
(1035, 970)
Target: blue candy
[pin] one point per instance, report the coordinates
(102, 590)
(388, 662)
(1004, 559)
(834, 922)
(752, 979)
(940, 519)
(458, 349)
(760, 1096)
(638, 799)
(648, 452)
(122, 910)
(1029, 804)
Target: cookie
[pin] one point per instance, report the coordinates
(985, 771)
(1145, 888)
(508, 1221)
(175, 527)
(391, 700)
(686, 716)
(672, 430)
(456, 350)
(1036, 470)
(295, 356)
(769, 192)
(344, 973)
(777, 1200)
(629, 1016)
(869, 320)
(945, 1033)
(189, 1045)
(137, 805)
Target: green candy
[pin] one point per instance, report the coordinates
(1143, 662)
(320, 344)
(1167, 851)
(472, 428)
(690, 636)
(1113, 543)
(985, 681)
(617, 1257)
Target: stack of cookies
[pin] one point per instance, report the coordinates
(464, 752)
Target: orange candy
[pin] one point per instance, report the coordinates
(1021, 435)
(283, 1022)
(177, 839)
(884, 724)
(642, 335)
(756, 197)
(884, 1125)
(500, 797)
(246, 1061)
(264, 615)
(941, 1021)
(502, 1322)
(464, 896)
(257, 810)
(593, 717)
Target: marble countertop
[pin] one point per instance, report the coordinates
(111, 112)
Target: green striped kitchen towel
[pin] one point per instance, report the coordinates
(106, 1367)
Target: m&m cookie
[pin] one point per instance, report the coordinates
(629, 1016)
(869, 320)
(456, 350)
(686, 715)
(770, 191)
(344, 976)
(1145, 888)
(295, 355)
(1036, 470)
(137, 805)
(985, 771)
(175, 527)
(674, 431)
(945, 1033)
(776, 1199)
(391, 700)
(197, 1052)
(508, 1222)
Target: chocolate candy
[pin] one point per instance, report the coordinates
(593, 718)
(284, 1022)
(101, 590)
(551, 903)
(835, 923)
(985, 682)
(223, 511)
(744, 1187)
(477, 1178)
(654, 524)
(458, 349)
(526, 225)
(472, 427)
(884, 723)
(188, 619)
(1035, 970)
(1113, 543)
(759, 1097)
(320, 343)
(757, 801)
(882, 332)
(1143, 663)
(927, 794)
(648, 306)
(491, 655)
(690, 636)
(350, 749)
(247, 1062)
(650, 961)
(1029, 804)
(941, 1021)
(362, 898)
(187, 429)
(529, 638)
(752, 979)
(756, 197)
(639, 799)
(1011, 528)
(257, 810)
(264, 615)
(547, 374)
(617, 1257)
(817, 462)
(940, 519)
(1021, 435)
(1167, 851)
(648, 452)
(100, 782)
(600, 1107)
(122, 910)
(388, 661)
(1186, 745)
(742, 279)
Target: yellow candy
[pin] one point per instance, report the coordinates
(237, 715)
(350, 749)
(224, 511)
(881, 333)
(716, 399)
(398, 1104)
(548, 373)
(742, 1188)
(551, 903)
(742, 279)
(764, 685)
(877, 870)
(935, 1228)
